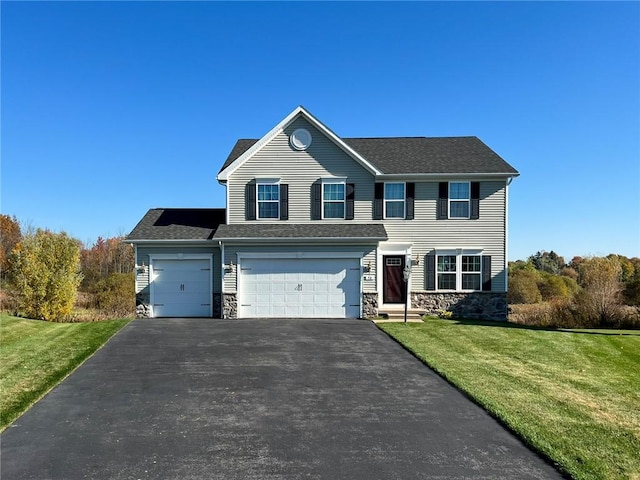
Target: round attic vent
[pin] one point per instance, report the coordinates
(300, 139)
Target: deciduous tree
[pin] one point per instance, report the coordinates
(46, 271)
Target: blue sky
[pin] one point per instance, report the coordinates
(112, 108)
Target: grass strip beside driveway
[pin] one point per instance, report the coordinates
(37, 355)
(572, 395)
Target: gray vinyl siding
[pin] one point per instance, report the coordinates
(426, 234)
(231, 255)
(143, 252)
(300, 169)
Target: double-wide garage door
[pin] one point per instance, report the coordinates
(299, 287)
(181, 288)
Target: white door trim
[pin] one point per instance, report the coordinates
(179, 256)
(385, 250)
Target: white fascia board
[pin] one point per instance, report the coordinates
(208, 243)
(264, 240)
(443, 176)
(256, 147)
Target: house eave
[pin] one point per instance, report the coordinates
(262, 240)
(442, 176)
(182, 241)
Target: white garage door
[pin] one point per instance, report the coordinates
(289, 288)
(181, 288)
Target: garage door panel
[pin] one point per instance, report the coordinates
(300, 287)
(181, 288)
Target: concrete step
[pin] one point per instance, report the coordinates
(397, 315)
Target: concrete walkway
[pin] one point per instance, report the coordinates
(259, 399)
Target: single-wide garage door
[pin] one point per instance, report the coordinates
(300, 287)
(181, 288)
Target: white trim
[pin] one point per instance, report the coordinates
(267, 182)
(359, 255)
(224, 175)
(458, 253)
(385, 250)
(341, 240)
(180, 256)
(506, 235)
(267, 255)
(468, 200)
(432, 177)
(384, 201)
(334, 181)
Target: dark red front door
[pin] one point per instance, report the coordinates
(393, 282)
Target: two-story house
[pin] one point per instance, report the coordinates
(317, 225)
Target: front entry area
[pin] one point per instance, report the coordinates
(393, 285)
(299, 287)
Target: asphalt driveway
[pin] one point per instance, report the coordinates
(259, 399)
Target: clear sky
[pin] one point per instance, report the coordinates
(112, 108)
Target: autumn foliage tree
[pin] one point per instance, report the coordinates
(10, 235)
(45, 269)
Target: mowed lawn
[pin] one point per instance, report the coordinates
(36, 355)
(572, 395)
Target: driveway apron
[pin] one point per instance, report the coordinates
(259, 399)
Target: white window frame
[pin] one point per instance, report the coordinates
(458, 200)
(334, 181)
(458, 254)
(267, 182)
(385, 200)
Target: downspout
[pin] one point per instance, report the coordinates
(221, 246)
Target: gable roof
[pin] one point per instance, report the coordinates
(177, 224)
(245, 153)
(417, 155)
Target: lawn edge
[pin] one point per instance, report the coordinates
(54, 384)
(559, 467)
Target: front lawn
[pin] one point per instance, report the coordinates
(572, 395)
(36, 355)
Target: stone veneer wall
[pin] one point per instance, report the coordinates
(143, 306)
(475, 305)
(229, 305)
(369, 305)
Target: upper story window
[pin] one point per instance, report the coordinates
(459, 199)
(394, 200)
(268, 197)
(333, 199)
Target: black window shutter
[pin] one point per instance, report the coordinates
(250, 201)
(486, 273)
(411, 194)
(378, 202)
(284, 201)
(474, 212)
(430, 272)
(316, 201)
(443, 201)
(349, 206)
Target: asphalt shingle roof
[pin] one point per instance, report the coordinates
(306, 230)
(178, 224)
(410, 155)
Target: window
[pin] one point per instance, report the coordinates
(394, 200)
(459, 272)
(333, 196)
(268, 200)
(471, 272)
(459, 195)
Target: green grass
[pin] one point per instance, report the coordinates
(572, 395)
(37, 355)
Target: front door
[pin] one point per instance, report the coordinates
(394, 290)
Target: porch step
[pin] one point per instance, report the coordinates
(397, 315)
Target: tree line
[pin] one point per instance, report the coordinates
(587, 291)
(42, 273)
